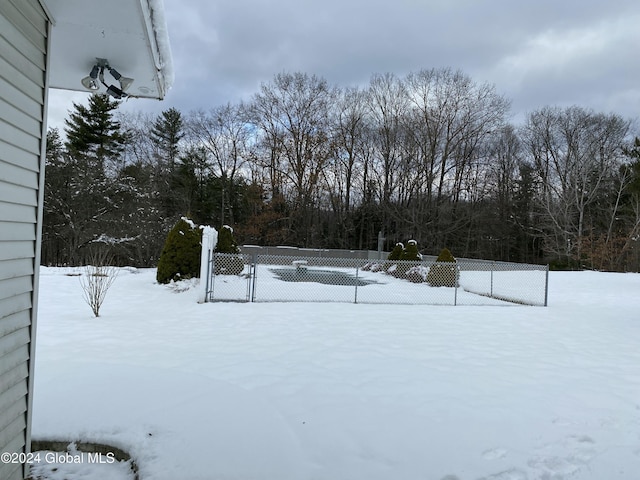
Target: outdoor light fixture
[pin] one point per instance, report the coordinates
(97, 73)
(90, 82)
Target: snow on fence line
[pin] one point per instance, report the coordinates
(278, 278)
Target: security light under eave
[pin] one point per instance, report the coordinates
(96, 77)
(125, 82)
(90, 82)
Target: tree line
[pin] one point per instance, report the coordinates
(430, 156)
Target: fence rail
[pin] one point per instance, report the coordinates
(286, 278)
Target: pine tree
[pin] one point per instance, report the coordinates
(94, 137)
(166, 135)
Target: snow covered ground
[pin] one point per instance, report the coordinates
(311, 391)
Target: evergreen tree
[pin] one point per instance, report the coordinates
(226, 242)
(444, 273)
(396, 253)
(180, 258)
(411, 253)
(231, 263)
(93, 135)
(166, 135)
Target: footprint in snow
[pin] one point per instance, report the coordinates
(578, 450)
(512, 474)
(494, 453)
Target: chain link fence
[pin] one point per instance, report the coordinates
(278, 278)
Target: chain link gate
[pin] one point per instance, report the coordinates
(229, 277)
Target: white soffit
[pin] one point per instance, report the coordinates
(130, 34)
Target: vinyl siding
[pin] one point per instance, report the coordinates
(23, 45)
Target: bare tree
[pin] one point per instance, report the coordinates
(292, 114)
(575, 153)
(224, 134)
(451, 120)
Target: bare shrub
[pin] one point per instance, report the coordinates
(96, 280)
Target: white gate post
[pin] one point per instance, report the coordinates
(209, 242)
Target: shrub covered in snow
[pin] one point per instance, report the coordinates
(396, 253)
(417, 274)
(444, 273)
(411, 253)
(180, 257)
(408, 258)
(393, 257)
(226, 242)
(232, 263)
(376, 267)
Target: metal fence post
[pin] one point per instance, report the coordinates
(546, 286)
(212, 274)
(208, 279)
(355, 300)
(254, 263)
(493, 264)
(455, 282)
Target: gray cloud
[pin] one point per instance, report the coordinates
(536, 53)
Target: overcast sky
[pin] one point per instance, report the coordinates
(536, 53)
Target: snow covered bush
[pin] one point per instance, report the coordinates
(411, 253)
(376, 267)
(231, 263)
(444, 273)
(393, 257)
(180, 257)
(396, 253)
(408, 259)
(417, 274)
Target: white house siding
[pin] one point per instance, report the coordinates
(23, 60)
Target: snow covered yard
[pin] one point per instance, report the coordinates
(334, 391)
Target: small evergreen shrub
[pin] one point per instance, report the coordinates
(411, 252)
(444, 273)
(232, 263)
(395, 255)
(180, 257)
(408, 259)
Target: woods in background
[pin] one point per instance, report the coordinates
(431, 156)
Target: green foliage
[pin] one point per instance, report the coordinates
(226, 242)
(444, 273)
(166, 133)
(445, 256)
(180, 257)
(394, 256)
(93, 133)
(231, 263)
(396, 253)
(411, 252)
